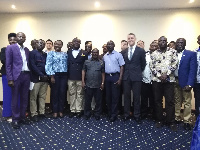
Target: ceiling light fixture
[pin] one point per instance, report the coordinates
(13, 7)
(97, 4)
(191, 1)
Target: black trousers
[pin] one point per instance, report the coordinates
(197, 98)
(112, 94)
(147, 98)
(120, 108)
(135, 86)
(58, 91)
(167, 90)
(89, 93)
(103, 104)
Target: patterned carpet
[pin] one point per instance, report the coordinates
(80, 134)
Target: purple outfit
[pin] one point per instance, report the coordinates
(20, 78)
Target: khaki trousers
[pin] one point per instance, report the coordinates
(39, 91)
(76, 95)
(182, 97)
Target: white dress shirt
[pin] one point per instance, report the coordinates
(129, 51)
(75, 52)
(23, 54)
(179, 60)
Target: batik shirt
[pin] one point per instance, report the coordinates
(164, 63)
(56, 62)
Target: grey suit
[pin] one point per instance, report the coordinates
(132, 79)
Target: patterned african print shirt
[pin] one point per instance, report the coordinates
(164, 62)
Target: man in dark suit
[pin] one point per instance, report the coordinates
(135, 62)
(39, 80)
(18, 76)
(76, 59)
(185, 76)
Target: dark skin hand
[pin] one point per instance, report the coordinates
(11, 83)
(163, 77)
(52, 79)
(102, 87)
(187, 88)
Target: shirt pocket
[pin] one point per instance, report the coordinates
(98, 68)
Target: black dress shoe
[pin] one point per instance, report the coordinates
(127, 118)
(159, 124)
(87, 117)
(79, 114)
(55, 115)
(42, 116)
(72, 114)
(35, 118)
(97, 117)
(138, 120)
(177, 121)
(15, 125)
(173, 127)
(25, 121)
(112, 119)
(61, 115)
(187, 126)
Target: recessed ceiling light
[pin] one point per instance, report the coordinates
(13, 7)
(97, 4)
(191, 1)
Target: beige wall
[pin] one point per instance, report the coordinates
(103, 26)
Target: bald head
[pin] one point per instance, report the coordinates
(21, 38)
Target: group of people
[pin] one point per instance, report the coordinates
(167, 70)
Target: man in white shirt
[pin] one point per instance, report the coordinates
(18, 75)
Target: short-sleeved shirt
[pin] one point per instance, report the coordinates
(113, 62)
(94, 70)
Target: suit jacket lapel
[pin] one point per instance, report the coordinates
(182, 58)
(126, 55)
(135, 52)
(18, 51)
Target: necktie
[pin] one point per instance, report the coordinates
(131, 53)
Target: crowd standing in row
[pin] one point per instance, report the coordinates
(164, 70)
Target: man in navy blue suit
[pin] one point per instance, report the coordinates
(185, 75)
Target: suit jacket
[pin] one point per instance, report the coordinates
(37, 65)
(133, 68)
(187, 69)
(14, 61)
(75, 65)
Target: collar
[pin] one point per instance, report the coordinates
(94, 59)
(181, 52)
(198, 50)
(133, 47)
(76, 49)
(111, 53)
(20, 46)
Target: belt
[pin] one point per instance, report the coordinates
(25, 71)
(112, 74)
(61, 73)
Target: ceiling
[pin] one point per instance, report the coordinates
(23, 6)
